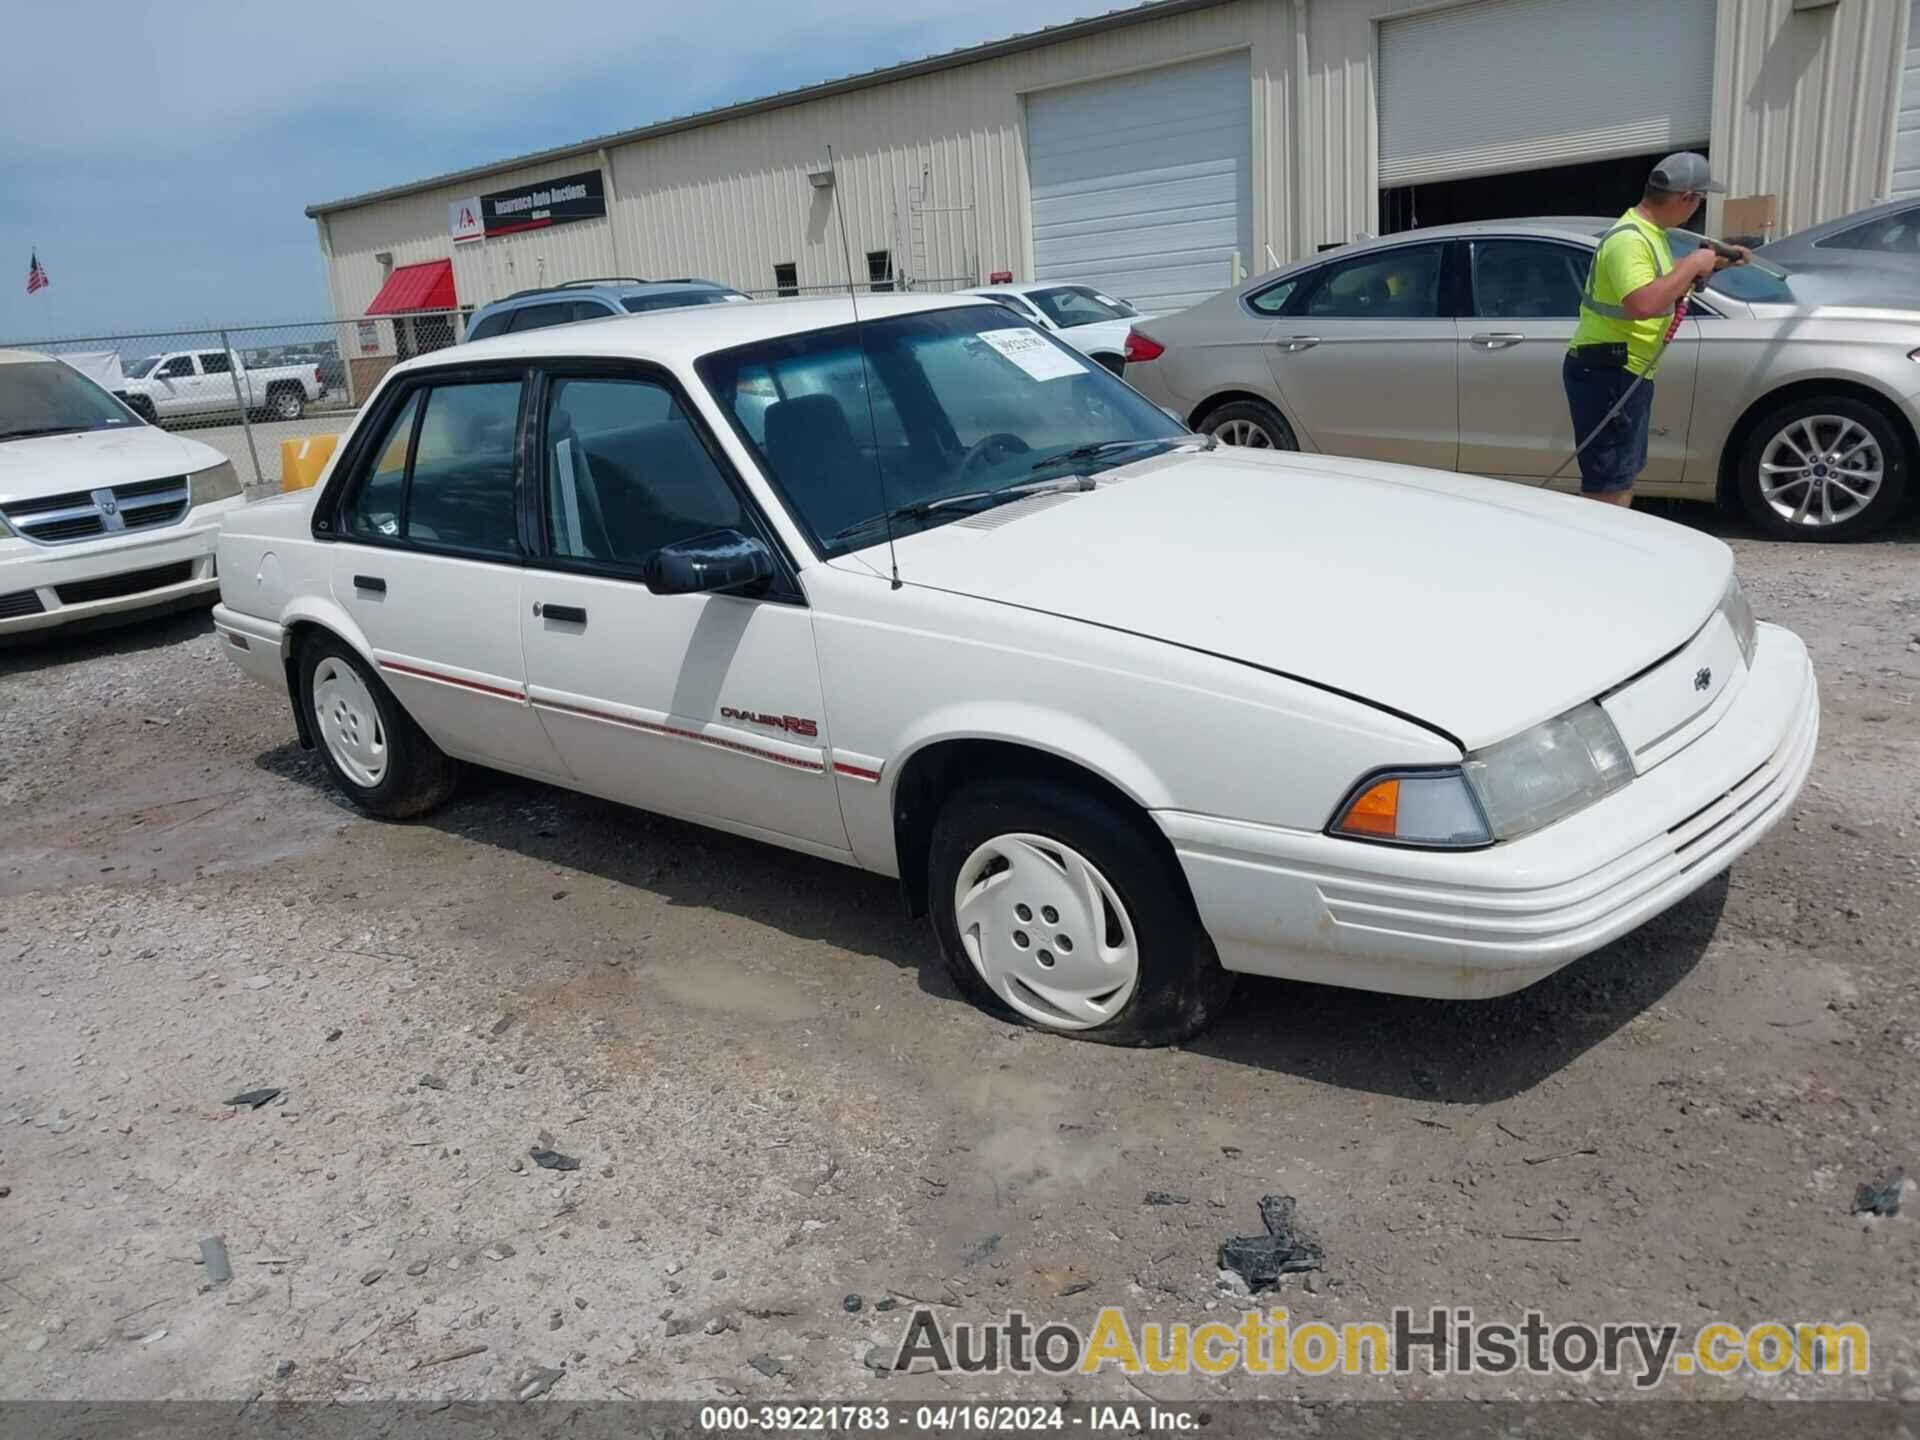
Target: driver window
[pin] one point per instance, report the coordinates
(626, 473)
(1526, 280)
(178, 368)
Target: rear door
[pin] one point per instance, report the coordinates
(1364, 356)
(428, 559)
(704, 706)
(1514, 421)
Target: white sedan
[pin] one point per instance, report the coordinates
(929, 593)
(1090, 320)
(101, 514)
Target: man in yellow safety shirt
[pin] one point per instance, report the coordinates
(1629, 301)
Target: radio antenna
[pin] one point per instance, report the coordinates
(866, 378)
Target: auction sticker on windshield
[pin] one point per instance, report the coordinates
(1033, 354)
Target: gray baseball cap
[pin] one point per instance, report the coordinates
(1682, 172)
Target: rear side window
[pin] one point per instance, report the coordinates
(626, 473)
(538, 317)
(1399, 285)
(494, 324)
(443, 474)
(1273, 299)
(213, 362)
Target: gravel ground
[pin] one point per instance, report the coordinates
(777, 1102)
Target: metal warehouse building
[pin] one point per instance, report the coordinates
(1159, 151)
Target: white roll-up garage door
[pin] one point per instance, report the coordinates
(1142, 185)
(1906, 143)
(1523, 84)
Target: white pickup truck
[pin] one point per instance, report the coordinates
(211, 382)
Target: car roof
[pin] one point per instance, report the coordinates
(680, 336)
(609, 290)
(1815, 233)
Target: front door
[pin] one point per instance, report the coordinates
(703, 706)
(428, 565)
(1365, 360)
(1514, 421)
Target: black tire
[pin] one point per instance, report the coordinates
(418, 775)
(143, 407)
(1250, 416)
(1180, 987)
(1856, 521)
(286, 402)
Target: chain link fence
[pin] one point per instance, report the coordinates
(247, 389)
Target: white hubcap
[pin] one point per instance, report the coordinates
(349, 722)
(1046, 931)
(1821, 470)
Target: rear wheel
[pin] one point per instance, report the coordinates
(1253, 424)
(1055, 907)
(1826, 467)
(287, 403)
(376, 754)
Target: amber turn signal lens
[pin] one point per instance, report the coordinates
(1375, 811)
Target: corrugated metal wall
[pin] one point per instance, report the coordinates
(1803, 107)
(1804, 103)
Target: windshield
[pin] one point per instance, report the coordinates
(963, 402)
(1071, 305)
(49, 398)
(140, 368)
(675, 299)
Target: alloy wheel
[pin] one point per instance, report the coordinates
(349, 722)
(1046, 931)
(1245, 432)
(1821, 470)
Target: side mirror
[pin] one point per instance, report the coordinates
(718, 560)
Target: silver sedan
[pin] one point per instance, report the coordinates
(1443, 348)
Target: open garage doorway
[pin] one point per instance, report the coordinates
(1594, 187)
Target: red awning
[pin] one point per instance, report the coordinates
(416, 287)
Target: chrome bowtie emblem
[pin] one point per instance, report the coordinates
(1702, 678)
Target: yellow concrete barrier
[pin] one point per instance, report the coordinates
(302, 460)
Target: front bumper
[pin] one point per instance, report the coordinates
(43, 586)
(1470, 925)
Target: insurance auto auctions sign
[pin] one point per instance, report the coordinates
(535, 207)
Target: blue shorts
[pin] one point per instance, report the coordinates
(1618, 454)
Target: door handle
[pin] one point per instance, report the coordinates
(1494, 339)
(565, 614)
(1294, 343)
(370, 582)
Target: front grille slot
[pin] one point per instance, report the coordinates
(20, 602)
(112, 587)
(81, 515)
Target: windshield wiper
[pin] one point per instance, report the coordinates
(1102, 447)
(31, 430)
(920, 509)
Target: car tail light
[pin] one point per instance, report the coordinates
(1141, 349)
(316, 374)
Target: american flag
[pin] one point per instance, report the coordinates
(36, 276)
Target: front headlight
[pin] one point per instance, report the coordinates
(1546, 773)
(1739, 615)
(219, 482)
(1504, 791)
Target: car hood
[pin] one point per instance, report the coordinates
(1477, 607)
(59, 464)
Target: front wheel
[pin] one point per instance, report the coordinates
(377, 755)
(1822, 468)
(1253, 424)
(1056, 907)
